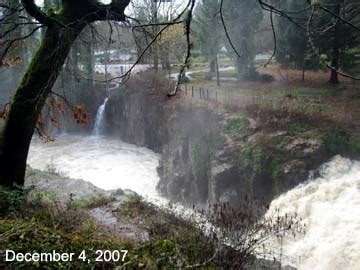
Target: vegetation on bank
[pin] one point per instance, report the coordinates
(284, 140)
(33, 221)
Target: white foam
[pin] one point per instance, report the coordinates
(107, 163)
(330, 208)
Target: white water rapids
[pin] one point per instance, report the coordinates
(330, 208)
(328, 205)
(105, 162)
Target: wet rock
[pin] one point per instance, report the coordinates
(203, 163)
(65, 188)
(108, 221)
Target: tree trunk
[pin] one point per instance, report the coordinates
(29, 100)
(239, 69)
(303, 70)
(334, 78)
(213, 65)
(155, 49)
(217, 71)
(335, 49)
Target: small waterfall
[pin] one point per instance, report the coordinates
(330, 208)
(98, 126)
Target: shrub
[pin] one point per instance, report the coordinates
(238, 128)
(11, 200)
(243, 232)
(336, 142)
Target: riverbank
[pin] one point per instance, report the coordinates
(68, 216)
(62, 215)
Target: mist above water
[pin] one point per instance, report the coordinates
(330, 208)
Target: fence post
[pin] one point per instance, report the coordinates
(186, 90)
(192, 91)
(200, 90)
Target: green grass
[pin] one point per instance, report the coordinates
(37, 174)
(91, 202)
(308, 91)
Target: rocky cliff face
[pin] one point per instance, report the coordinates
(138, 116)
(208, 154)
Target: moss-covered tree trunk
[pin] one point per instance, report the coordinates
(29, 100)
(63, 27)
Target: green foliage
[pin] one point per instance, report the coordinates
(200, 160)
(37, 174)
(91, 202)
(243, 19)
(251, 159)
(291, 40)
(11, 200)
(237, 128)
(208, 29)
(276, 164)
(336, 142)
(354, 148)
(295, 128)
(350, 60)
(41, 197)
(173, 240)
(22, 235)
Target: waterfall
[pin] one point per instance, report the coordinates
(330, 208)
(98, 126)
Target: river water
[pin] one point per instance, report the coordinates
(330, 208)
(328, 205)
(105, 162)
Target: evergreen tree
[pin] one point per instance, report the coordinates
(291, 39)
(333, 37)
(293, 48)
(208, 31)
(242, 20)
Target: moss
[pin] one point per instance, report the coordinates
(173, 240)
(276, 165)
(336, 142)
(24, 235)
(354, 146)
(296, 128)
(278, 155)
(37, 174)
(237, 128)
(251, 159)
(169, 236)
(91, 201)
(280, 142)
(199, 160)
